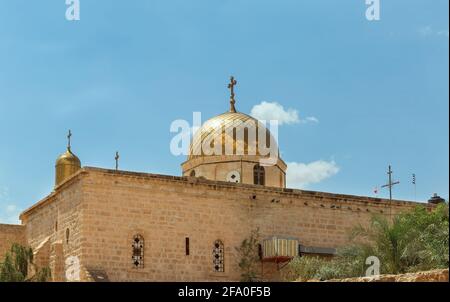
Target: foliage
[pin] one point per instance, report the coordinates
(349, 262)
(413, 241)
(42, 275)
(248, 253)
(305, 268)
(17, 264)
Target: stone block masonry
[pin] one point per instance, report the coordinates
(95, 215)
(10, 234)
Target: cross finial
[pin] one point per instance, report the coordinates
(69, 135)
(117, 160)
(390, 183)
(233, 83)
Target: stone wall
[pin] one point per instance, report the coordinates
(440, 275)
(53, 226)
(166, 210)
(10, 234)
(94, 215)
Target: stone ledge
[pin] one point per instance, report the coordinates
(438, 275)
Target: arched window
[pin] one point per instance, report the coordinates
(218, 256)
(192, 173)
(259, 175)
(137, 251)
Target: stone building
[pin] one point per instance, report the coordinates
(99, 224)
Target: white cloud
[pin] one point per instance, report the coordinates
(274, 111)
(425, 30)
(10, 208)
(300, 175)
(3, 193)
(9, 213)
(310, 119)
(428, 30)
(443, 33)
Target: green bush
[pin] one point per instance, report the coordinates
(249, 257)
(16, 264)
(413, 241)
(304, 268)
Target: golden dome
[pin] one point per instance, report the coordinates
(234, 132)
(68, 158)
(223, 129)
(66, 165)
(235, 147)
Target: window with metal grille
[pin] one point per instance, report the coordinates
(259, 175)
(218, 256)
(137, 246)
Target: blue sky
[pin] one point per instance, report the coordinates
(118, 78)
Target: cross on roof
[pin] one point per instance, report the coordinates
(117, 160)
(390, 183)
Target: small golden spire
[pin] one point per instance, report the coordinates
(233, 83)
(67, 163)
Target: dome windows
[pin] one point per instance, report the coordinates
(259, 175)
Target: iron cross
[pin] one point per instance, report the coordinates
(117, 160)
(233, 83)
(68, 139)
(390, 184)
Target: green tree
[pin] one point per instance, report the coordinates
(248, 253)
(16, 266)
(428, 233)
(413, 241)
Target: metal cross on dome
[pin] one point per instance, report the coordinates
(69, 135)
(233, 83)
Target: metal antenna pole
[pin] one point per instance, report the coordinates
(390, 182)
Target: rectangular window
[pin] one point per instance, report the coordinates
(187, 246)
